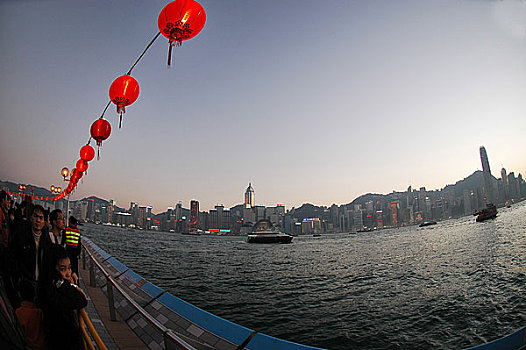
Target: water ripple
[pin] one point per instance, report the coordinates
(456, 285)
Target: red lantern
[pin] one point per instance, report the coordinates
(75, 176)
(123, 92)
(100, 131)
(87, 153)
(82, 165)
(181, 20)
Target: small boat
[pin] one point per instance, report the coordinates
(487, 213)
(427, 223)
(264, 232)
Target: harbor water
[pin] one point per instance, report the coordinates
(449, 286)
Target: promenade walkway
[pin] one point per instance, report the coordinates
(114, 334)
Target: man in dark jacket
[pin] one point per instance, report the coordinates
(27, 249)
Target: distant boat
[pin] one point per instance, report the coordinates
(264, 232)
(428, 223)
(487, 213)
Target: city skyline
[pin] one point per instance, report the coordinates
(250, 197)
(378, 97)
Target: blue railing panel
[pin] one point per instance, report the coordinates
(117, 264)
(214, 324)
(514, 341)
(264, 342)
(147, 287)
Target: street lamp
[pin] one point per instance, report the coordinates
(22, 189)
(65, 172)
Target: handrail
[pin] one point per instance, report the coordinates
(84, 317)
(168, 333)
(85, 336)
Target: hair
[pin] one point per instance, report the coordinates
(73, 221)
(53, 216)
(59, 255)
(4, 195)
(27, 291)
(38, 208)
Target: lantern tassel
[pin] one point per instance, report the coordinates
(98, 153)
(120, 121)
(170, 45)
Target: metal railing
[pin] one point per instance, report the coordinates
(171, 340)
(84, 320)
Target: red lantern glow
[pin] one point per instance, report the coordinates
(181, 20)
(87, 153)
(123, 92)
(82, 165)
(100, 131)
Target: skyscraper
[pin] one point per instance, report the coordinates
(488, 184)
(250, 200)
(194, 215)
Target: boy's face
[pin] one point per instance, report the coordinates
(64, 267)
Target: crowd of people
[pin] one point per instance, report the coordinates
(38, 278)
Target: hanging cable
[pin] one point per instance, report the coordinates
(146, 49)
(105, 109)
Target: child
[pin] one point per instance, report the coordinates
(30, 316)
(60, 298)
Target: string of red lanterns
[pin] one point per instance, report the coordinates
(178, 21)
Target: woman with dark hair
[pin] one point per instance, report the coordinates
(60, 298)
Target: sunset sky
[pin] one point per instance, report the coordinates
(310, 101)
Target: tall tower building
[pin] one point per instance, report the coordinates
(488, 184)
(250, 200)
(194, 215)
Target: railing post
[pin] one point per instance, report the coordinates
(91, 274)
(111, 302)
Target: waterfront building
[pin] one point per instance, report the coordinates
(504, 179)
(194, 216)
(250, 197)
(394, 213)
(357, 218)
(422, 194)
(368, 219)
(311, 225)
(521, 185)
(219, 218)
(83, 210)
(379, 219)
(179, 211)
(513, 186)
(168, 223)
(149, 220)
(110, 210)
(275, 215)
(334, 217)
(488, 183)
(249, 216)
(259, 211)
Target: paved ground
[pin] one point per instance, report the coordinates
(114, 334)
